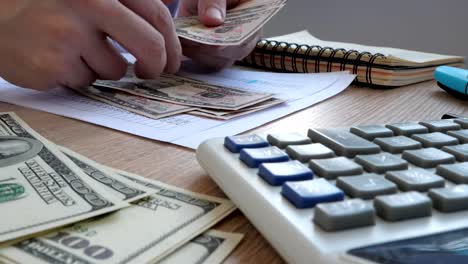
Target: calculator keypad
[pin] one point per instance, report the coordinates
(350, 177)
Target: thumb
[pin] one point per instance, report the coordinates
(212, 12)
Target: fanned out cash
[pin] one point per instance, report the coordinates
(210, 247)
(40, 188)
(240, 23)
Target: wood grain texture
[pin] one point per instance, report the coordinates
(178, 166)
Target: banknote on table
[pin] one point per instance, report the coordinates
(195, 94)
(211, 247)
(112, 182)
(132, 103)
(40, 188)
(145, 232)
(226, 115)
(240, 23)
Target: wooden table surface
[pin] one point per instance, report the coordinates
(178, 166)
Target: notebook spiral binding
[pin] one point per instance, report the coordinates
(315, 53)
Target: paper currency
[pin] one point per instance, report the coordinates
(112, 182)
(211, 247)
(55, 191)
(147, 231)
(132, 103)
(226, 115)
(241, 22)
(195, 94)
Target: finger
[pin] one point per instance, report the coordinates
(212, 12)
(80, 76)
(131, 31)
(103, 58)
(157, 14)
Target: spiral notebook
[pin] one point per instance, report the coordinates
(378, 66)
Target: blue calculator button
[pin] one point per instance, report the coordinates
(281, 172)
(236, 143)
(306, 194)
(253, 157)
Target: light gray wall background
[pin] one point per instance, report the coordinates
(426, 25)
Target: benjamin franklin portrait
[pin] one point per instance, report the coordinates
(17, 149)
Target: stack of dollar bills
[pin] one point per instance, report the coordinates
(173, 94)
(60, 207)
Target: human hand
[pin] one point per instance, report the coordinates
(213, 13)
(50, 43)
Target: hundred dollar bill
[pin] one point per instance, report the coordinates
(132, 103)
(146, 232)
(57, 191)
(195, 94)
(240, 23)
(211, 247)
(112, 182)
(226, 115)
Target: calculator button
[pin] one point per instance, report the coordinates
(450, 199)
(457, 173)
(280, 172)
(286, 139)
(428, 157)
(335, 167)
(459, 151)
(415, 179)
(442, 125)
(366, 186)
(343, 142)
(236, 143)
(344, 215)
(407, 129)
(397, 144)
(382, 162)
(370, 132)
(461, 135)
(253, 157)
(306, 194)
(403, 206)
(304, 153)
(463, 122)
(435, 140)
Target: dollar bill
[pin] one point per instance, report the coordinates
(147, 231)
(226, 115)
(57, 191)
(240, 23)
(132, 103)
(211, 247)
(195, 94)
(112, 182)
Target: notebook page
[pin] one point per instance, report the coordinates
(394, 54)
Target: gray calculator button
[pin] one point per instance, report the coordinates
(462, 121)
(343, 142)
(402, 206)
(459, 151)
(341, 215)
(304, 153)
(335, 167)
(282, 140)
(366, 186)
(450, 199)
(457, 173)
(415, 179)
(461, 135)
(382, 162)
(370, 132)
(442, 125)
(407, 129)
(435, 140)
(397, 144)
(428, 157)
